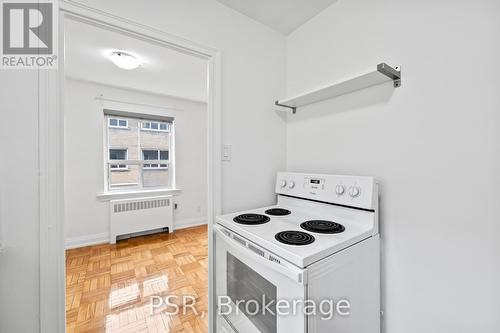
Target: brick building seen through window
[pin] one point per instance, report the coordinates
(139, 152)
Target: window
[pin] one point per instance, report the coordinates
(118, 154)
(153, 155)
(144, 151)
(117, 123)
(155, 126)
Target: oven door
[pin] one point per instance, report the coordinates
(256, 280)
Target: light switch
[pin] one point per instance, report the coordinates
(226, 152)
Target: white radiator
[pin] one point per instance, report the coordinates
(131, 216)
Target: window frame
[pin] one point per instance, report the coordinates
(118, 168)
(167, 130)
(158, 166)
(117, 123)
(139, 118)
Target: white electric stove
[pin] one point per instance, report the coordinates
(318, 244)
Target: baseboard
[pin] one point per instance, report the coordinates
(188, 223)
(101, 238)
(74, 242)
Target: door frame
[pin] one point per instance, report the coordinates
(51, 154)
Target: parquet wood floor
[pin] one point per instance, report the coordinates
(109, 288)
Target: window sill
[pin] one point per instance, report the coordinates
(115, 195)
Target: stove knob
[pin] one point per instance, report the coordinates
(291, 184)
(354, 191)
(339, 189)
(283, 183)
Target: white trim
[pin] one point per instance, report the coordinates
(51, 196)
(171, 156)
(83, 13)
(214, 142)
(114, 195)
(103, 238)
(191, 222)
(81, 241)
(51, 149)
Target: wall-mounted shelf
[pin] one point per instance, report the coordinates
(382, 74)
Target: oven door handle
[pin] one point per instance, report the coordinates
(284, 268)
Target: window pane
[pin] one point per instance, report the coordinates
(146, 125)
(154, 126)
(149, 155)
(123, 123)
(113, 122)
(164, 155)
(163, 127)
(155, 177)
(117, 154)
(122, 176)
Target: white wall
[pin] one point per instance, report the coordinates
(86, 217)
(434, 143)
(19, 262)
(253, 72)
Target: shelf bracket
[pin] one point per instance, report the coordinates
(294, 109)
(392, 73)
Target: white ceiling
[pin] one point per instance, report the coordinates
(164, 71)
(281, 15)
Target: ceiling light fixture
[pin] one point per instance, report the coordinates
(124, 60)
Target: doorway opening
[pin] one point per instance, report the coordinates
(150, 119)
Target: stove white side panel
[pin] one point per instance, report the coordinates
(352, 275)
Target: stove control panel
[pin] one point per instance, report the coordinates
(354, 191)
(340, 189)
(314, 184)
